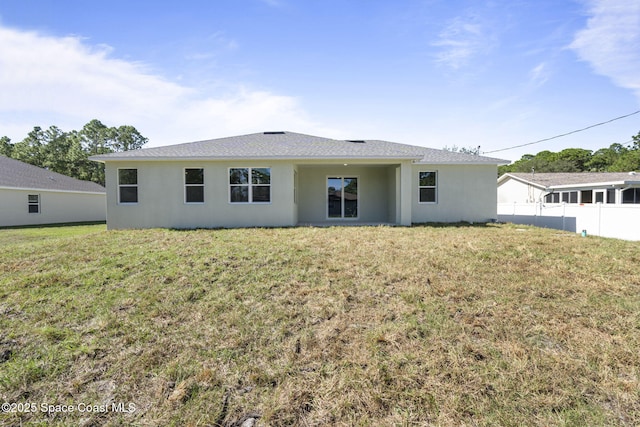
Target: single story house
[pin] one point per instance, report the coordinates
(572, 188)
(30, 195)
(286, 179)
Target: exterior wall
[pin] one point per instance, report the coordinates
(373, 193)
(512, 190)
(161, 197)
(387, 193)
(55, 207)
(464, 193)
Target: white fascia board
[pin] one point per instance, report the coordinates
(589, 185)
(247, 158)
(422, 162)
(51, 190)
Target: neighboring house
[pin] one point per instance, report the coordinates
(591, 203)
(288, 179)
(573, 188)
(30, 195)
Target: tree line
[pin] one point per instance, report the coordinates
(68, 152)
(615, 158)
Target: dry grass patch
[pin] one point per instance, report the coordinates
(484, 325)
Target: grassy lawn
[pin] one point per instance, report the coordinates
(479, 325)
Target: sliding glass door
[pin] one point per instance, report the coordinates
(342, 197)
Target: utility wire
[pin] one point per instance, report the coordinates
(564, 134)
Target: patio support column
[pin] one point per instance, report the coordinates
(405, 194)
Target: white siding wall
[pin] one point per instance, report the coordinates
(161, 197)
(511, 190)
(465, 193)
(55, 207)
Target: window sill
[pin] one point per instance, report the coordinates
(250, 203)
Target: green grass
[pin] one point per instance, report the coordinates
(477, 325)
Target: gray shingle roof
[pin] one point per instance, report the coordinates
(290, 145)
(575, 178)
(16, 174)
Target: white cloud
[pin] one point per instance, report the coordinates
(610, 41)
(463, 38)
(539, 75)
(69, 82)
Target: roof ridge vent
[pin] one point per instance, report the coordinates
(278, 132)
(356, 141)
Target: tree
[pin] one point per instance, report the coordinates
(627, 163)
(68, 152)
(30, 150)
(636, 141)
(578, 157)
(126, 138)
(6, 147)
(604, 158)
(96, 138)
(466, 150)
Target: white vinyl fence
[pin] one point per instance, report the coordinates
(617, 221)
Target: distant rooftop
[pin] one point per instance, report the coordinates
(17, 174)
(291, 145)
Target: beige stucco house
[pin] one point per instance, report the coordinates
(286, 179)
(30, 195)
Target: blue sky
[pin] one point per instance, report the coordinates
(437, 73)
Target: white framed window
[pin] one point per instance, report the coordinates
(570, 196)
(33, 203)
(552, 198)
(342, 197)
(194, 185)
(249, 185)
(631, 195)
(586, 196)
(611, 195)
(127, 186)
(428, 186)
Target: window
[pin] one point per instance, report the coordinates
(586, 196)
(250, 185)
(427, 186)
(194, 185)
(573, 197)
(342, 197)
(128, 185)
(552, 198)
(598, 196)
(611, 195)
(33, 203)
(570, 197)
(631, 195)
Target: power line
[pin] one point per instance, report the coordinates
(564, 134)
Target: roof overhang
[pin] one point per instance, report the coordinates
(464, 163)
(110, 158)
(623, 183)
(596, 184)
(51, 190)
